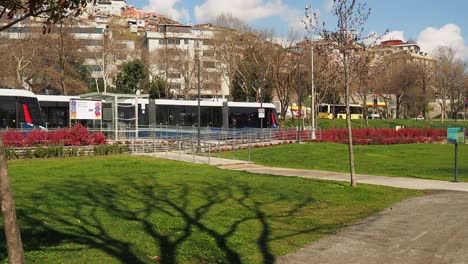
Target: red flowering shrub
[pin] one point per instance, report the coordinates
(384, 136)
(35, 138)
(78, 135)
(99, 139)
(13, 139)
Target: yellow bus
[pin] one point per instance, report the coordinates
(328, 111)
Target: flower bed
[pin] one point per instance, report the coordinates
(78, 135)
(385, 136)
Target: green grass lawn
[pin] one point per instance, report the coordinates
(126, 209)
(383, 123)
(429, 161)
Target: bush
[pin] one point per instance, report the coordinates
(10, 154)
(78, 135)
(384, 136)
(110, 149)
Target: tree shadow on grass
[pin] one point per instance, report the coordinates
(80, 213)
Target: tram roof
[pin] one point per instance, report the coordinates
(112, 96)
(16, 92)
(56, 98)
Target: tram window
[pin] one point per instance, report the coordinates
(7, 113)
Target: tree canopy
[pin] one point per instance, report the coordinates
(129, 80)
(51, 10)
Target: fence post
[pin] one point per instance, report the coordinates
(193, 152)
(219, 142)
(233, 142)
(179, 150)
(209, 153)
(249, 151)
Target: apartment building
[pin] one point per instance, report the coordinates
(398, 48)
(174, 52)
(109, 7)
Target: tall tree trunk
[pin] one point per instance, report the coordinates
(12, 232)
(443, 110)
(348, 124)
(398, 106)
(62, 61)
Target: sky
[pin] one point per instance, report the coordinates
(431, 23)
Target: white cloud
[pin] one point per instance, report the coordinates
(449, 35)
(249, 10)
(168, 8)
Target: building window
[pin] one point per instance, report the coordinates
(186, 41)
(162, 41)
(94, 68)
(209, 64)
(213, 76)
(174, 41)
(173, 75)
(175, 86)
(208, 53)
(207, 42)
(92, 42)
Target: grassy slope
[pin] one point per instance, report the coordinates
(429, 161)
(125, 209)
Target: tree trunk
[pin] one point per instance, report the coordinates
(348, 125)
(12, 232)
(443, 110)
(97, 84)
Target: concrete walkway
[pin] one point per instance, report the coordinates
(174, 155)
(399, 182)
(241, 165)
(421, 230)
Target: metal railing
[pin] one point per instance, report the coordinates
(181, 141)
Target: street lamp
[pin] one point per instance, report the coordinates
(299, 100)
(308, 22)
(197, 59)
(312, 101)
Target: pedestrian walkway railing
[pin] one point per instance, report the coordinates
(211, 143)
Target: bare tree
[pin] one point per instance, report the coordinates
(425, 75)
(252, 75)
(23, 57)
(65, 51)
(229, 42)
(400, 79)
(449, 81)
(363, 80)
(283, 71)
(351, 16)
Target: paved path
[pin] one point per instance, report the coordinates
(408, 183)
(240, 165)
(174, 155)
(428, 229)
(420, 230)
